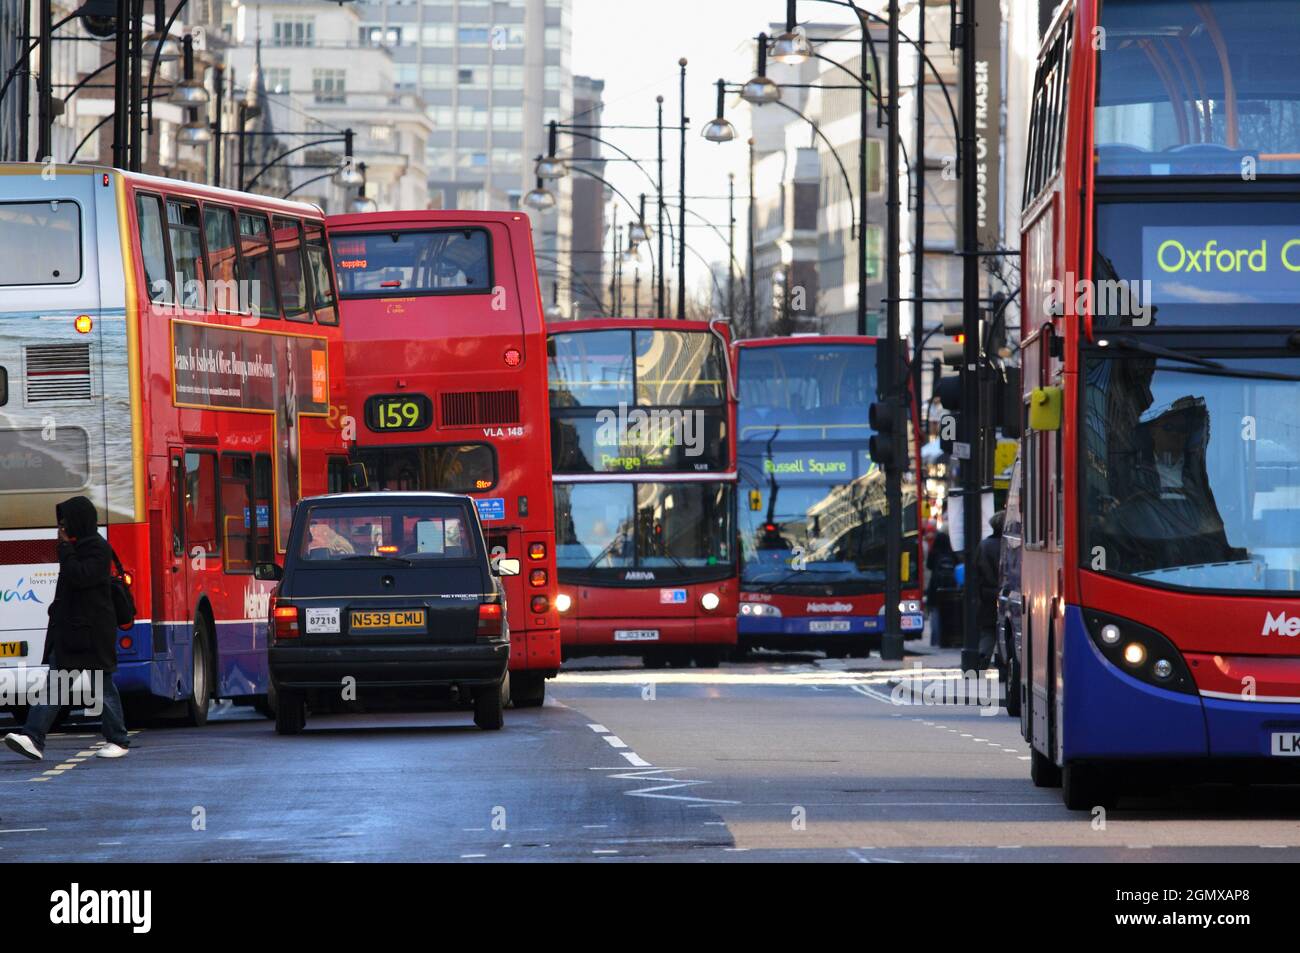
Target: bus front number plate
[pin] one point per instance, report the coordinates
(1286, 744)
(636, 635)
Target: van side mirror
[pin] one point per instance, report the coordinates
(268, 572)
(358, 478)
(507, 566)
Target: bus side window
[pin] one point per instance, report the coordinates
(219, 236)
(178, 506)
(255, 264)
(324, 299)
(202, 514)
(288, 267)
(187, 252)
(153, 248)
(262, 483)
(336, 474)
(237, 511)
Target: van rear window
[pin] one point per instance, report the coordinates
(341, 533)
(40, 243)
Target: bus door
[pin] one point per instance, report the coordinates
(170, 571)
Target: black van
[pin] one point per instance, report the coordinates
(383, 597)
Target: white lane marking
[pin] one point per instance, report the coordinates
(634, 759)
(615, 741)
(110, 843)
(604, 852)
(471, 856)
(1024, 757)
(879, 696)
(598, 729)
(24, 830)
(669, 785)
(594, 827)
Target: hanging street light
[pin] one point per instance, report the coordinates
(718, 129)
(760, 90)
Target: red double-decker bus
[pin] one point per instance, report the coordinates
(1160, 569)
(812, 502)
(445, 347)
(643, 444)
(169, 351)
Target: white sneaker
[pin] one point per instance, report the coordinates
(24, 746)
(111, 750)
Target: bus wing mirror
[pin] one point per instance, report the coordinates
(268, 572)
(507, 566)
(1045, 408)
(358, 478)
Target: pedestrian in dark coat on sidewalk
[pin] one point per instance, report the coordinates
(82, 631)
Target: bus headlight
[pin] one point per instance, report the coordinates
(760, 609)
(563, 602)
(710, 601)
(909, 605)
(1140, 651)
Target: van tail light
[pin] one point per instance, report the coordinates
(536, 550)
(537, 578)
(489, 620)
(284, 620)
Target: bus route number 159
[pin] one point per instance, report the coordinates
(386, 412)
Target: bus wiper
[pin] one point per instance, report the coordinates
(400, 560)
(1203, 365)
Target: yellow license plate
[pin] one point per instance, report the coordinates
(13, 649)
(388, 619)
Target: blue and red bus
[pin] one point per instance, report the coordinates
(1161, 364)
(445, 353)
(811, 502)
(169, 351)
(643, 448)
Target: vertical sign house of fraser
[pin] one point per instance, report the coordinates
(988, 124)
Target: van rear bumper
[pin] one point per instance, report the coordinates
(396, 666)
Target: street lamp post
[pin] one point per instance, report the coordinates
(891, 640)
(659, 307)
(731, 245)
(681, 208)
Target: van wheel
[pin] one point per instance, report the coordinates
(527, 689)
(1085, 786)
(196, 706)
(290, 714)
(490, 705)
(1043, 770)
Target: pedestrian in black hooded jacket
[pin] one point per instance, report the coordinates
(82, 631)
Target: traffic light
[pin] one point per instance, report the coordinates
(888, 444)
(954, 344)
(949, 391)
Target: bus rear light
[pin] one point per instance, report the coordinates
(563, 602)
(536, 550)
(537, 577)
(83, 323)
(489, 619)
(540, 604)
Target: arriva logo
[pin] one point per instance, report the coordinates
(1281, 625)
(18, 593)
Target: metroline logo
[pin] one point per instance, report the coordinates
(1281, 625)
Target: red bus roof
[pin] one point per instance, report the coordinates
(368, 221)
(199, 190)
